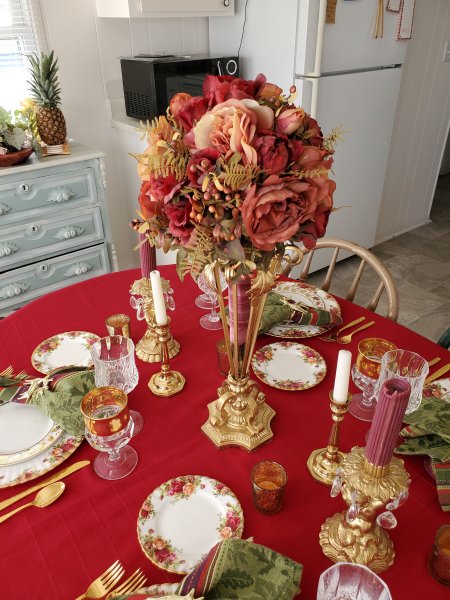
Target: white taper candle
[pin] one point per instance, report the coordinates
(344, 363)
(159, 303)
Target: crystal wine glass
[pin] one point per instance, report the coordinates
(108, 428)
(365, 374)
(203, 300)
(212, 319)
(114, 364)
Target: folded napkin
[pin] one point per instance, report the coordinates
(236, 569)
(58, 395)
(278, 309)
(428, 432)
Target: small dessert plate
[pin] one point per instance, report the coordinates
(63, 350)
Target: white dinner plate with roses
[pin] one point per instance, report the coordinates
(183, 518)
(63, 350)
(302, 293)
(289, 366)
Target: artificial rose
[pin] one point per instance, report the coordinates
(272, 152)
(149, 208)
(180, 227)
(289, 120)
(309, 232)
(269, 92)
(200, 164)
(274, 211)
(164, 188)
(231, 126)
(221, 88)
(314, 158)
(177, 103)
(310, 132)
(191, 112)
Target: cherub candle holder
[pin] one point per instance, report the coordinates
(148, 349)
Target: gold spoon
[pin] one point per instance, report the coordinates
(42, 499)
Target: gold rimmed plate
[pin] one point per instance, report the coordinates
(64, 349)
(289, 366)
(183, 518)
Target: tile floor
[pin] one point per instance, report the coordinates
(419, 262)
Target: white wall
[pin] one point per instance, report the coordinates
(422, 124)
(88, 51)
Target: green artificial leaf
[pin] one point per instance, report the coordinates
(14, 136)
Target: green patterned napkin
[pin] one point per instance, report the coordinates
(278, 309)
(237, 569)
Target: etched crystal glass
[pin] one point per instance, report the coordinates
(212, 319)
(350, 581)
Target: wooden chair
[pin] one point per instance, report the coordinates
(378, 273)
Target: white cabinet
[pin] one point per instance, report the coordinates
(149, 9)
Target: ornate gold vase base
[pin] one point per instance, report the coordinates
(166, 383)
(148, 348)
(240, 416)
(341, 543)
(323, 467)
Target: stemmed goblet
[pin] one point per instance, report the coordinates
(109, 428)
(212, 319)
(365, 375)
(114, 364)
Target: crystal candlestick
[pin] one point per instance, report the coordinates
(324, 462)
(166, 382)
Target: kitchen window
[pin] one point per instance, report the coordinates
(21, 32)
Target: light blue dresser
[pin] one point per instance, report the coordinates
(54, 225)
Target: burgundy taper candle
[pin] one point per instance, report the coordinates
(147, 255)
(387, 421)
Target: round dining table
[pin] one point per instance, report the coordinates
(54, 553)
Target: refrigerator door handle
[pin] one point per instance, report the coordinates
(317, 72)
(314, 81)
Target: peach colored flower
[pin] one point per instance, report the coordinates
(314, 158)
(188, 489)
(289, 120)
(226, 532)
(159, 543)
(231, 126)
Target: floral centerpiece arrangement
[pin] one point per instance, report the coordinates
(15, 136)
(234, 174)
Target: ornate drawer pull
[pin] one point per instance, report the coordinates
(60, 194)
(68, 232)
(8, 248)
(4, 209)
(79, 268)
(13, 289)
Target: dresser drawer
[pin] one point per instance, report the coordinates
(19, 286)
(46, 193)
(26, 242)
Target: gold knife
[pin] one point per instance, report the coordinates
(38, 486)
(434, 361)
(438, 374)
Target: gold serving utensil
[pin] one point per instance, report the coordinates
(434, 361)
(56, 477)
(44, 497)
(346, 339)
(332, 337)
(104, 582)
(437, 374)
(132, 584)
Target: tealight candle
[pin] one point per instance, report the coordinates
(159, 303)
(341, 382)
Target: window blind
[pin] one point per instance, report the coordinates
(21, 33)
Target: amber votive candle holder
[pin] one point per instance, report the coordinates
(118, 325)
(439, 561)
(268, 482)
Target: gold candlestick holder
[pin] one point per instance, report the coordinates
(354, 535)
(166, 382)
(322, 463)
(148, 349)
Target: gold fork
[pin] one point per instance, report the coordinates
(134, 582)
(7, 372)
(332, 337)
(104, 582)
(346, 339)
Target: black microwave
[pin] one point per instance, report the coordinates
(149, 82)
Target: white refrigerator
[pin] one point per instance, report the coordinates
(344, 77)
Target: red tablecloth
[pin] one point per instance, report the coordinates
(54, 553)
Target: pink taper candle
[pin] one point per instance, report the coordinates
(147, 255)
(387, 421)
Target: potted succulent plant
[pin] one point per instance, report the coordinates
(15, 139)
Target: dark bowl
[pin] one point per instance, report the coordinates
(15, 158)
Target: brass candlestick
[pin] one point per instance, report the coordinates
(322, 463)
(354, 535)
(166, 382)
(148, 348)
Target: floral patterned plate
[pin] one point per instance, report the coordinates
(64, 349)
(289, 366)
(299, 292)
(183, 518)
(440, 388)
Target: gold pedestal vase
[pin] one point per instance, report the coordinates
(240, 415)
(355, 534)
(148, 349)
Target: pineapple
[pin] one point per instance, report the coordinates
(45, 90)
